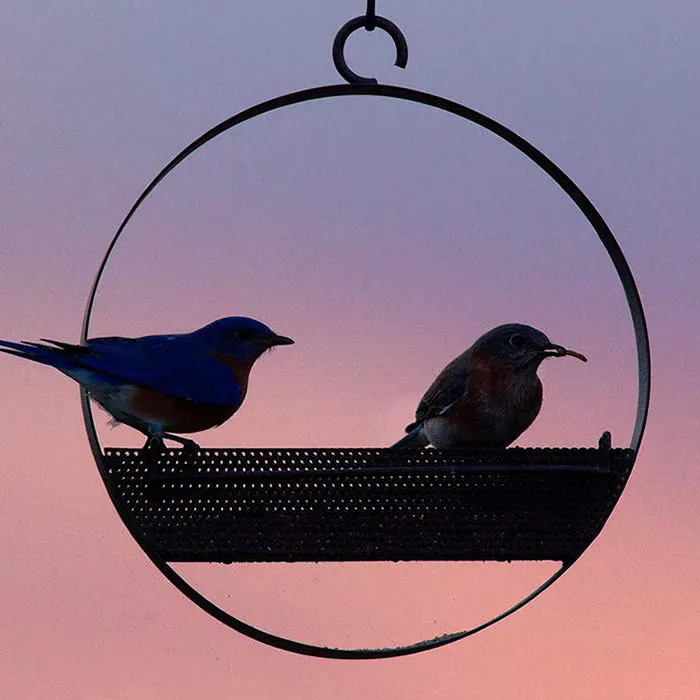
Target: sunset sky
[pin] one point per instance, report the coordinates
(384, 237)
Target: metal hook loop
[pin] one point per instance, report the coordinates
(369, 22)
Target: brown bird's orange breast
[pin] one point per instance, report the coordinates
(499, 404)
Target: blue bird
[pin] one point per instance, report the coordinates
(163, 384)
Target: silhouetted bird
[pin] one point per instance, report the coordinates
(163, 384)
(488, 395)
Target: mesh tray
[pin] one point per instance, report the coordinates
(236, 505)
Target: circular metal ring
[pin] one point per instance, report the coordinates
(585, 206)
(358, 22)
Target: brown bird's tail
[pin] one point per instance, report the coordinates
(415, 439)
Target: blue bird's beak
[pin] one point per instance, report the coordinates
(278, 340)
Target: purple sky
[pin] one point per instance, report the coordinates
(384, 237)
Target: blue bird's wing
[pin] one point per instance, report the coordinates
(174, 364)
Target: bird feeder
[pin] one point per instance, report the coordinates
(282, 505)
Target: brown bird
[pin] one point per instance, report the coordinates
(487, 396)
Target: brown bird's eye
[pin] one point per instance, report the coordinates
(517, 341)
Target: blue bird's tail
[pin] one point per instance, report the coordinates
(61, 357)
(415, 439)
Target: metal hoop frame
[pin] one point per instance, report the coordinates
(603, 232)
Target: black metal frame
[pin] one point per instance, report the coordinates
(536, 156)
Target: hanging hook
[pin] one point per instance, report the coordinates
(369, 21)
(371, 16)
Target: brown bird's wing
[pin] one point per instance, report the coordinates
(449, 386)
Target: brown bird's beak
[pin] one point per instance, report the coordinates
(560, 351)
(277, 340)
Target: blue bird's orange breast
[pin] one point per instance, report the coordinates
(175, 414)
(239, 368)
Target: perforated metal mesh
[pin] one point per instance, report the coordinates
(227, 505)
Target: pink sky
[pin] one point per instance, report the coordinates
(384, 238)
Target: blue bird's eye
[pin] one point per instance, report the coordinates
(242, 334)
(517, 341)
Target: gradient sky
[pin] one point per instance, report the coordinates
(384, 237)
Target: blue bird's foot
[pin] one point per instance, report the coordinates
(154, 444)
(189, 447)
